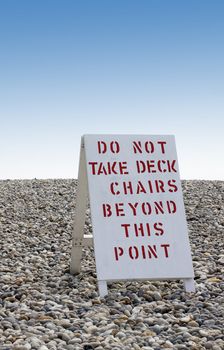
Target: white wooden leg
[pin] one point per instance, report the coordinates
(102, 286)
(80, 214)
(189, 285)
(75, 264)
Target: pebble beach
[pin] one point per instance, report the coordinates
(44, 307)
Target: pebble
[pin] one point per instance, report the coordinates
(35, 342)
(185, 319)
(193, 323)
(43, 307)
(168, 344)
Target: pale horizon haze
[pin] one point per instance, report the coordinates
(69, 68)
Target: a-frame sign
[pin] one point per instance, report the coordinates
(137, 210)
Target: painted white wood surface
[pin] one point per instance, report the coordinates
(121, 254)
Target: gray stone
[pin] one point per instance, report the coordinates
(25, 346)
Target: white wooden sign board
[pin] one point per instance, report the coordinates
(137, 210)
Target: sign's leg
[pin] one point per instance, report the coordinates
(102, 286)
(76, 255)
(189, 285)
(80, 214)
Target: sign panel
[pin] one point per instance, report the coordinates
(137, 210)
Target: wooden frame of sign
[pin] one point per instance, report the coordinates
(137, 210)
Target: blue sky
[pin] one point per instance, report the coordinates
(69, 68)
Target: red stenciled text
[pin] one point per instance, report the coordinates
(145, 208)
(149, 146)
(139, 187)
(108, 168)
(112, 146)
(143, 229)
(156, 166)
(142, 252)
